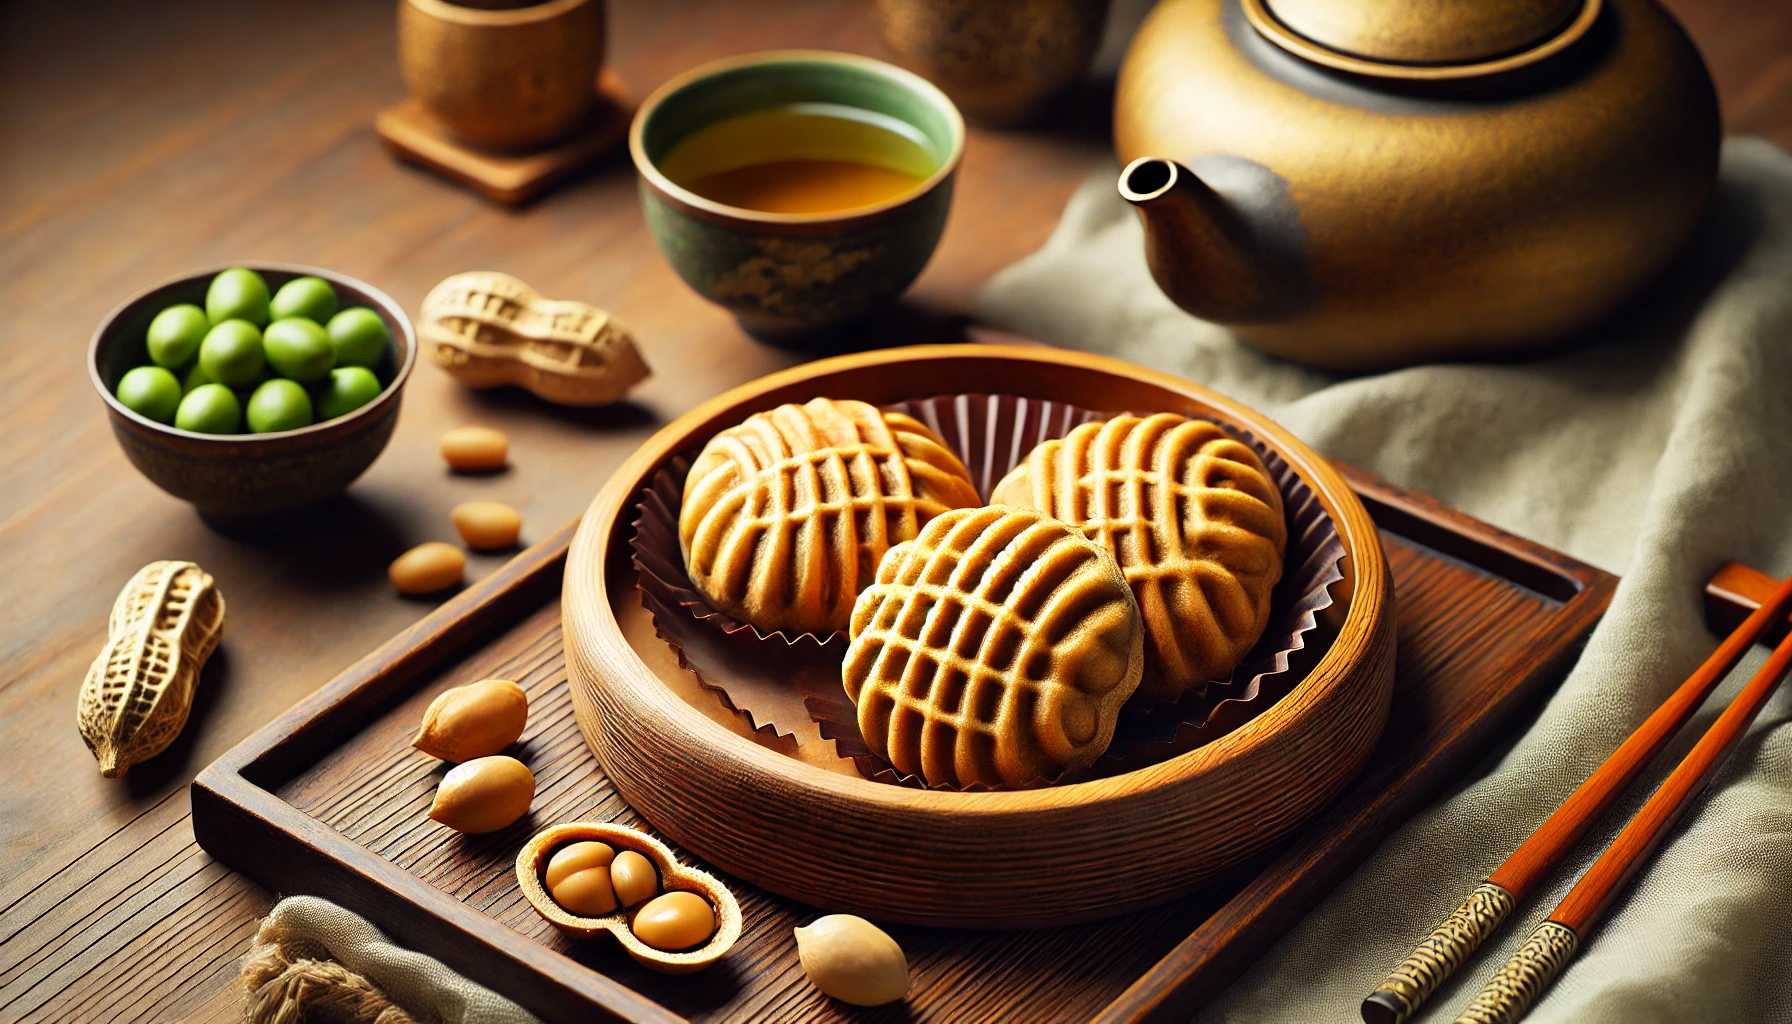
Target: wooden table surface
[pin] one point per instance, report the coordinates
(140, 140)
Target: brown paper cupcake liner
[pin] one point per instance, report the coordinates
(764, 680)
(787, 684)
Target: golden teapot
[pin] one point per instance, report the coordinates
(1359, 184)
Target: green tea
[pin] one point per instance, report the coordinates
(803, 158)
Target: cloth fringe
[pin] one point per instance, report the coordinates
(295, 982)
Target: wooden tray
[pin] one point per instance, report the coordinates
(330, 800)
(1051, 855)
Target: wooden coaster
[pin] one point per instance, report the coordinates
(415, 136)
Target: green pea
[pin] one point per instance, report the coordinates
(309, 297)
(150, 391)
(298, 348)
(175, 334)
(348, 389)
(196, 377)
(231, 353)
(279, 404)
(359, 336)
(210, 409)
(237, 294)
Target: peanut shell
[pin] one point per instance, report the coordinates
(486, 329)
(139, 691)
(535, 856)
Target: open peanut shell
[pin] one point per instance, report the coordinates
(532, 863)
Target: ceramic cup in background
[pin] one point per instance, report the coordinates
(790, 278)
(503, 75)
(1001, 61)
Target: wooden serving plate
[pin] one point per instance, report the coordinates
(1026, 858)
(331, 800)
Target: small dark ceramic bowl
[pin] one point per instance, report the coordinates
(243, 478)
(790, 277)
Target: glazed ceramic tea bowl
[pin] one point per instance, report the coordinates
(241, 480)
(791, 278)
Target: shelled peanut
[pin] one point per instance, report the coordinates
(486, 525)
(483, 525)
(853, 960)
(484, 795)
(675, 920)
(471, 724)
(475, 449)
(578, 878)
(427, 568)
(472, 721)
(633, 878)
(590, 878)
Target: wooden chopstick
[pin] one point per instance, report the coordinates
(1510, 992)
(1460, 934)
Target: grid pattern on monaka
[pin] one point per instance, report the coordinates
(1195, 521)
(786, 516)
(994, 649)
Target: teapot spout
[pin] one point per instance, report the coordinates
(1207, 249)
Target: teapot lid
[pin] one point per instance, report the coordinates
(1423, 38)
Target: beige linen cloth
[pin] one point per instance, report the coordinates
(315, 935)
(1658, 451)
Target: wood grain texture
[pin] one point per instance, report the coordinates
(1460, 615)
(345, 817)
(1732, 595)
(145, 140)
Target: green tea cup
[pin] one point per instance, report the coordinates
(791, 278)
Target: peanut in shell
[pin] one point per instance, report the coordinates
(139, 691)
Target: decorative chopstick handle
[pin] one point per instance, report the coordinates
(1518, 984)
(1438, 956)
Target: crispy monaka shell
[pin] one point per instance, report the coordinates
(1194, 520)
(996, 648)
(786, 516)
